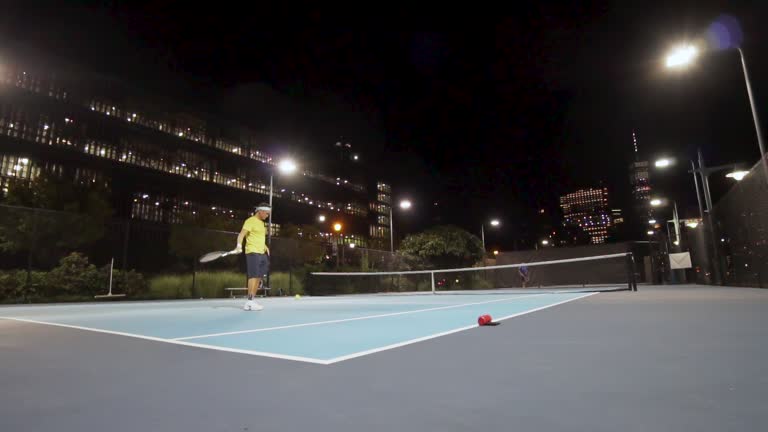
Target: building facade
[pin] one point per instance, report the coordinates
(640, 181)
(588, 209)
(165, 164)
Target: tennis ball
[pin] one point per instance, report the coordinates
(298, 296)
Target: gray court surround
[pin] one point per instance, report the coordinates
(662, 359)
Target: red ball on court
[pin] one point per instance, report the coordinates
(484, 320)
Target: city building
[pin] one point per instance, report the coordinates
(639, 178)
(164, 163)
(588, 209)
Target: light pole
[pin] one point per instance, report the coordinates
(405, 205)
(494, 223)
(665, 163)
(685, 54)
(704, 172)
(759, 133)
(335, 245)
(286, 166)
(676, 245)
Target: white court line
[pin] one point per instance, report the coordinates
(421, 339)
(290, 357)
(350, 319)
(175, 342)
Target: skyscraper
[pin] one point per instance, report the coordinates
(639, 177)
(588, 209)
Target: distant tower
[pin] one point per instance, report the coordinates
(639, 177)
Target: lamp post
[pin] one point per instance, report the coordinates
(335, 245)
(703, 173)
(286, 166)
(405, 205)
(494, 223)
(684, 54)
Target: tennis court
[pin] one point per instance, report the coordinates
(663, 358)
(316, 330)
(332, 328)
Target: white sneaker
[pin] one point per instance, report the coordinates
(251, 305)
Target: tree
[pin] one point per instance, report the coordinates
(205, 233)
(443, 247)
(71, 215)
(297, 245)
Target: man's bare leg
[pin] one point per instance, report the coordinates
(253, 286)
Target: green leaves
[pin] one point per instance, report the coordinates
(443, 247)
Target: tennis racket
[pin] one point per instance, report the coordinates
(211, 256)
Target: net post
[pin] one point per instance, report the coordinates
(634, 271)
(628, 267)
(432, 274)
(631, 280)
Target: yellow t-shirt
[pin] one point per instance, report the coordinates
(256, 240)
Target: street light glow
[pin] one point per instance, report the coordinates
(337, 227)
(737, 175)
(650, 232)
(663, 163)
(545, 242)
(495, 252)
(495, 222)
(351, 245)
(681, 56)
(656, 202)
(321, 218)
(692, 224)
(652, 221)
(287, 166)
(405, 204)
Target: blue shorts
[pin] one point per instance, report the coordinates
(257, 265)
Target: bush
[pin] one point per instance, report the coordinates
(169, 287)
(73, 276)
(212, 284)
(290, 283)
(324, 286)
(207, 285)
(130, 283)
(407, 283)
(14, 287)
(74, 279)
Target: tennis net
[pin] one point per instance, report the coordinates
(615, 272)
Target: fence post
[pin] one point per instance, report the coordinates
(126, 238)
(194, 274)
(433, 282)
(33, 244)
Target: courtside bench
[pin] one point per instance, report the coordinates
(232, 291)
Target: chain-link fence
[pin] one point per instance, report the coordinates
(50, 256)
(741, 218)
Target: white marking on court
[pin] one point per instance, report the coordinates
(421, 339)
(351, 319)
(299, 358)
(175, 342)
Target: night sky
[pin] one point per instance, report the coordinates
(488, 113)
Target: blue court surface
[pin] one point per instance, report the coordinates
(322, 330)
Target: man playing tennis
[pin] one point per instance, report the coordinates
(254, 233)
(524, 275)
